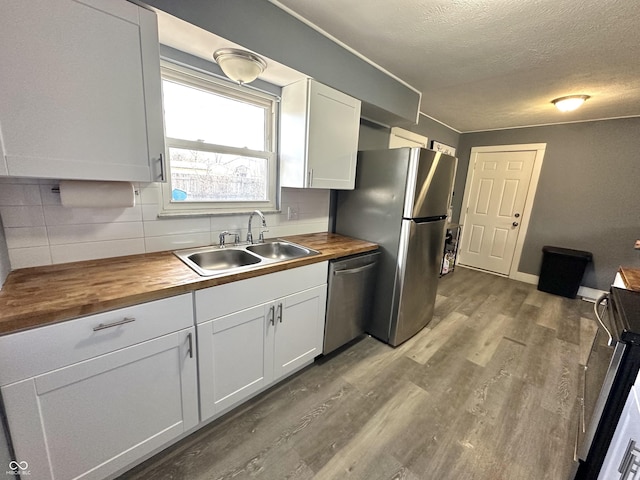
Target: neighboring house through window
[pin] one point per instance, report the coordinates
(220, 145)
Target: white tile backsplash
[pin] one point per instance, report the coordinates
(40, 231)
(177, 242)
(59, 215)
(29, 257)
(94, 232)
(24, 216)
(20, 195)
(21, 237)
(88, 251)
(176, 226)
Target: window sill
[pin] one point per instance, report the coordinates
(178, 214)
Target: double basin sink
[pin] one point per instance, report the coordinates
(212, 261)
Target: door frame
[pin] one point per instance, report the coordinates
(540, 149)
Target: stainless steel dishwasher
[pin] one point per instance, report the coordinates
(351, 286)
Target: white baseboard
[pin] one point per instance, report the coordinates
(590, 294)
(525, 277)
(587, 293)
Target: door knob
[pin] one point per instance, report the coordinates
(517, 215)
(515, 224)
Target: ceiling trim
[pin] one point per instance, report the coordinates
(549, 124)
(438, 121)
(345, 46)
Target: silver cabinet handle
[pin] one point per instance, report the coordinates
(311, 177)
(272, 315)
(350, 271)
(280, 312)
(162, 179)
(102, 326)
(190, 338)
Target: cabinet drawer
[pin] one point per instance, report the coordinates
(232, 297)
(33, 352)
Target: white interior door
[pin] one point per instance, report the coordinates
(495, 198)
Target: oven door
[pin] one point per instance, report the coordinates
(598, 380)
(599, 373)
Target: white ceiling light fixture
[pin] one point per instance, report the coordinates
(570, 102)
(239, 65)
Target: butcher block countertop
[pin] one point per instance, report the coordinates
(630, 277)
(33, 297)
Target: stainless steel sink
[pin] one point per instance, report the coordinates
(215, 261)
(223, 259)
(279, 250)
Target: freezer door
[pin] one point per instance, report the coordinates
(419, 259)
(429, 183)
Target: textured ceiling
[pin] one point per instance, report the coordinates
(490, 64)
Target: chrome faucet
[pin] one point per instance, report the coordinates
(264, 225)
(236, 238)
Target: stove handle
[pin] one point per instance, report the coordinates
(601, 299)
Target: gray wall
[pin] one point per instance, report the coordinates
(266, 29)
(435, 131)
(587, 196)
(374, 136)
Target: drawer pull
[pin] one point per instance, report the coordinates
(102, 326)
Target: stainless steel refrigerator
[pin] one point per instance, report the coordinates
(400, 202)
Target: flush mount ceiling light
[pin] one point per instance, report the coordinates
(239, 65)
(570, 102)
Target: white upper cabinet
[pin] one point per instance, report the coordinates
(318, 136)
(80, 90)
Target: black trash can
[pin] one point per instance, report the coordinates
(562, 270)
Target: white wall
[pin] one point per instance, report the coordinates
(40, 231)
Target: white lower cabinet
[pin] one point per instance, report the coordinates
(87, 398)
(622, 461)
(299, 329)
(233, 359)
(245, 351)
(96, 416)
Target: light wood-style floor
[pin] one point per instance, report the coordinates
(487, 391)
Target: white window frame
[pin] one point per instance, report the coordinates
(200, 79)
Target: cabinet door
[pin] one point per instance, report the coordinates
(233, 360)
(623, 458)
(80, 91)
(334, 122)
(90, 419)
(299, 330)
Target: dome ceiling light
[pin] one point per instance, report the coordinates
(570, 102)
(239, 65)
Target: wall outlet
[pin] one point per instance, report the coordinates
(637, 245)
(292, 213)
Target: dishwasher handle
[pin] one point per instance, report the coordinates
(350, 271)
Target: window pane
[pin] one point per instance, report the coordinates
(198, 176)
(198, 115)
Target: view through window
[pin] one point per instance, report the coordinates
(219, 141)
